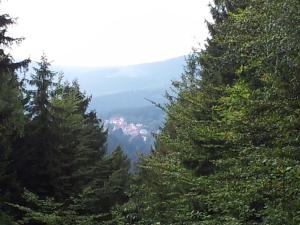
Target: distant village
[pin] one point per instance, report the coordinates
(129, 129)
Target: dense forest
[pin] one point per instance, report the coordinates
(227, 154)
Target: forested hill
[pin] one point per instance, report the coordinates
(112, 80)
(126, 93)
(228, 154)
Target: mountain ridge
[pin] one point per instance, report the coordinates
(111, 80)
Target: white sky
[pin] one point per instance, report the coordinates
(107, 32)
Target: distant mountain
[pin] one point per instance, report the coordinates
(122, 92)
(127, 100)
(105, 81)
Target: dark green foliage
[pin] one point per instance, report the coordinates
(79, 141)
(34, 151)
(5, 219)
(51, 145)
(48, 211)
(11, 111)
(91, 206)
(109, 186)
(228, 153)
(64, 152)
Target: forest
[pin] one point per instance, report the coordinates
(228, 153)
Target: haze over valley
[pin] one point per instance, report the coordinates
(126, 94)
(101, 145)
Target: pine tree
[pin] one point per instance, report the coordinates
(11, 110)
(107, 189)
(11, 115)
(228, 153)
(79, 141)
(34, 151)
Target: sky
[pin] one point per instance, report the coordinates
(107, 32)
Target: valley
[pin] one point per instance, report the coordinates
(126, 108)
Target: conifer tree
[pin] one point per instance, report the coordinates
(34, 151)
(77, 173)
(228, 153)
(79, 140)
(11, 115)
(110, 183)
(11, 110)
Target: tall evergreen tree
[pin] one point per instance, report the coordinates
(109, 186)
(34, 151)
(79, 140)
(11, 110)
(228, 153)
(69, 143)
(53, 146)
(11, 114)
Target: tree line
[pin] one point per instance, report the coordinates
(228, 152)
(52, 148)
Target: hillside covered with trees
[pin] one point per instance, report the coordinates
(227, 154)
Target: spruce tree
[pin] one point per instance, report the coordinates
(34, 151)
(228, 153)
(11, 109)
(79, 140)
(110, 183)
(11, 115)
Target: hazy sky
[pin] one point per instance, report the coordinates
(107, 32)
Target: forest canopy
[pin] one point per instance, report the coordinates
(228, 152)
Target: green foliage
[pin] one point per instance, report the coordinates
(64, 152)
(109, 185)
(33, 150)
(53, 146)
(50, 212)
(11, 112)
(228, 153)
(5, 219)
